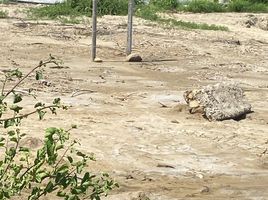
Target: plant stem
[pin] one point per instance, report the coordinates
(3, 87)
(30, 113)
(21, 80)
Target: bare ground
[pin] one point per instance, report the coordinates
(152, 150)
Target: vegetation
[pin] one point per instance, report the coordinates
(150, 13)
(207, 6)
(3, 14)
(56, 168)
(74, 8)
(247, 6)
(198, 6)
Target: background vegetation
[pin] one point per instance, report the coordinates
(3, 14)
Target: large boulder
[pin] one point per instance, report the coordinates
(218, 102)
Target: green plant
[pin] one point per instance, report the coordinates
(149, 12)
(192, 25)
(80, 7)
(57, 167)
(247, 6)
(164, 4)
(199, 6)
(3, 14)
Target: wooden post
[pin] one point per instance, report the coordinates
(131, 4)
(94, 29)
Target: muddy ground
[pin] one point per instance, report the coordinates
(161, 152)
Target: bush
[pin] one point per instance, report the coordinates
(57, 167)
(165, 4)
(202, 6)
(81, 7)
(246, 6)
(147, 12)
(3, 14)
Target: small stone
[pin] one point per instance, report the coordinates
(133, 58)
(98, 60)
(205, 189)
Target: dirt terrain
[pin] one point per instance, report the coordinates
(133, 116)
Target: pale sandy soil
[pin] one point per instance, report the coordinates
(122, 121)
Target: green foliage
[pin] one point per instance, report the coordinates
(259, 1)
(3, 14)
(165, 4)
(199, 6)
(207, 6)
(149, 12)
(247, 6)
(57, 167)
(192, 25)
(81, 7)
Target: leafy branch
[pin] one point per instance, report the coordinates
(56, 167)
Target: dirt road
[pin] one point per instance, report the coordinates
(152, 150)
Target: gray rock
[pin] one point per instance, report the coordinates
(218, 102)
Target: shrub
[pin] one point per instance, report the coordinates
(247, 6)
(202, 6)
(3, 14)
(147, 12)
(57, 167)
(165, 4)
(81, 7)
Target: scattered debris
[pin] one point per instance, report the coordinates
(134, 58)
(45, 82)
(259, 22)
(163, 105)
(165, 165)
(141, 196)
(218, 102)
(80, 92)
(205, 189)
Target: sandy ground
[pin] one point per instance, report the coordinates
(151, 150)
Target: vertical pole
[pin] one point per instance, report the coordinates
(94, 29)
(130, 24)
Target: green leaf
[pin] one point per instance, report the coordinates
(76, 191)
(70, 159)
(63, 169)
(39, 75)
(74, 126)
(14, 139)
(15, 73)
(61, 194)
(51, 131)
(2, 139)
(22, 135)
(11, 133)
(79, 153)
(58, 147)
(41, 114)
(86, 177)
(39, 104)
(8, 123)
(49, 188)
(56, 101)
(24, 149)
(16, 108)
(17, 98)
